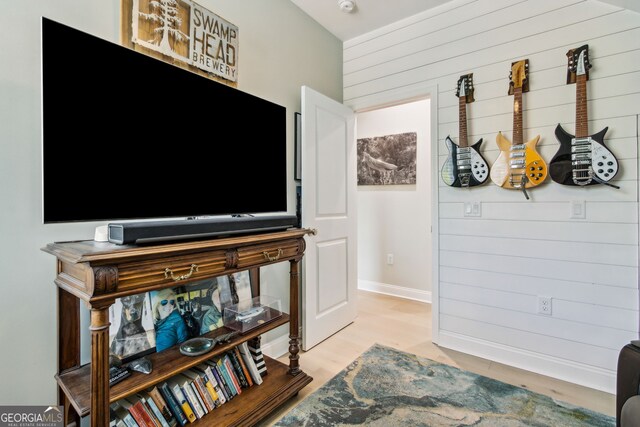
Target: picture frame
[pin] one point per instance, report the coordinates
(298, 147)
(387, 159)
(131, 329)
(192, 310)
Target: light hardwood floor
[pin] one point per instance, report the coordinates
(406, 325)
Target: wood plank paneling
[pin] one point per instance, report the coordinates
(493, 268)
(538, 343)
(580, 292)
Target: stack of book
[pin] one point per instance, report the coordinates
(191, 394)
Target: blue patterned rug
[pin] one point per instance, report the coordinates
(386, 387)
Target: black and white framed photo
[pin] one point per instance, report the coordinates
(131, 330)
(387, 159)
(298, 147)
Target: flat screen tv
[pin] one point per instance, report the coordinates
(127, 136)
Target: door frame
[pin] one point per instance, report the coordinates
(402, 96)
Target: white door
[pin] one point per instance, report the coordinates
(329, 206)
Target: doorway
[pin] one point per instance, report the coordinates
(394, 215)
(322, 125)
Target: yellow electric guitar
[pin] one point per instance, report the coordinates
(519, 166)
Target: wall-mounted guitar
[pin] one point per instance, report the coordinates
(519, 166)
(582, 159)
(465, 166)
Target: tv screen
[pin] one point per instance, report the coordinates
(128, 136)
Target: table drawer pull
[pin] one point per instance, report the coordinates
(168, 273)
(272, 258)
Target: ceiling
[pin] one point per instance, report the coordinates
(369, 15)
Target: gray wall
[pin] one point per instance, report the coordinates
(396, 219)
(493, 268)
(281, 49)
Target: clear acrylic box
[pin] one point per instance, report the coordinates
(251, 313)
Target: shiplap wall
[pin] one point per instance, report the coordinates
(493, 268)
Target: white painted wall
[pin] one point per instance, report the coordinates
(281, 49)
(491, 269)
(396, 219)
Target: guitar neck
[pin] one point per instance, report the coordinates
(582, 128)
(462, 120)
(517, 116)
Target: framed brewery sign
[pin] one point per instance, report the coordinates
(185, 33)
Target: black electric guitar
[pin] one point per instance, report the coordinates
(582, 159)
(465, 166)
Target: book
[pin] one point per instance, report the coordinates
(199, 398)
(207, 384)
(212, 384)
(221, 380)
(147, 410)
(185, 385)
(223, 394)
(162, 405)
(232, 372)
(173, 404)
(201, 388)
(228, 370)
(117, 374)
(256, 353)
(243, 365)
(122, 414)
(157, 416)
(226, 379)
(237, 369)
(113, 417)
(177, 393)
(250, 363)
(137, 411)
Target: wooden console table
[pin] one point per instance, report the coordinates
(98, 273)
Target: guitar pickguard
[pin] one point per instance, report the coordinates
(465, 166)
(582, 161)
(518, 166)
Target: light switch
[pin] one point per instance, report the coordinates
(472, 209)
(578, 209)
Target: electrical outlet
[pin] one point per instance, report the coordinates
(390, 259)
(544, 305)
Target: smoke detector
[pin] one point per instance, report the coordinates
(347, 6)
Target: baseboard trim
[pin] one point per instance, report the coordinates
(394, 290)
(565, 370)
(277, 347)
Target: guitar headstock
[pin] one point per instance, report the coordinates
(519, 76)
(465, 88)
(578, 63)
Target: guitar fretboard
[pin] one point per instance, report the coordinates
(517, 116)
(582, 127)
(462, 111)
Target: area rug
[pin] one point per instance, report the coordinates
(387, 387)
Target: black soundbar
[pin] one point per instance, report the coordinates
(161, 231)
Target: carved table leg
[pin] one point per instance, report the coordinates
(100, 367)
(294, 346)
